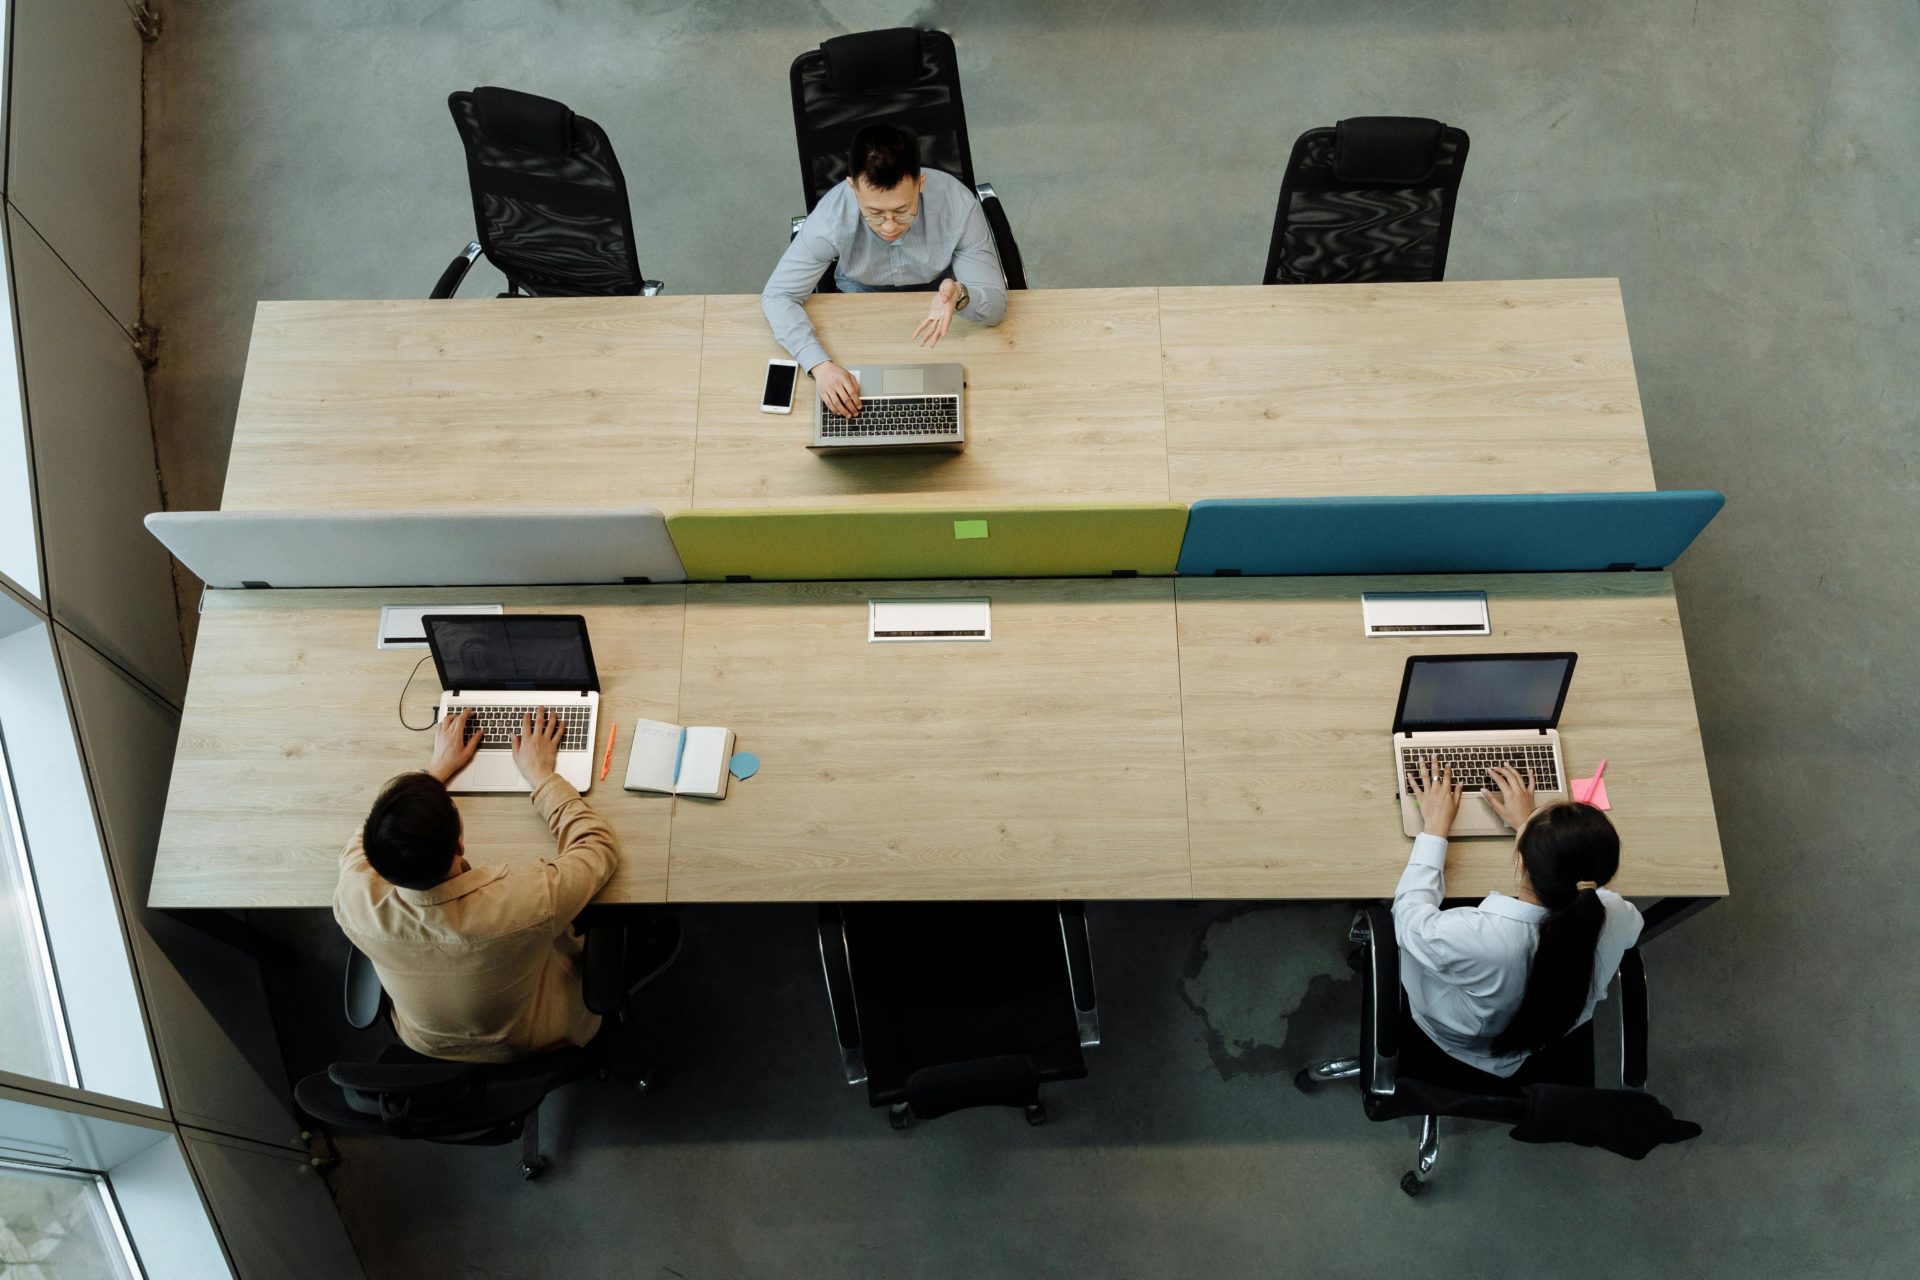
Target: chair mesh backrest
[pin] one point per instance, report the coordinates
(549, 201)
(902, 77)
(1334, 227)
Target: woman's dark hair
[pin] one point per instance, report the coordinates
(413, 833)
(1562, 846)
(883, 157)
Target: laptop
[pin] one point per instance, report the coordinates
(505, 666)
(902, 406)
(1475, 711)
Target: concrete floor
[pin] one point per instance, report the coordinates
(1745, 169)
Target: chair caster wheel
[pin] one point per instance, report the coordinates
(1411, 1184)
(1036, 1114)
(1303, 1080)
(531, 1169)
(899, 1117)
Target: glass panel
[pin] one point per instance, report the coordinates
(32, 1033)
(105, 1023)
(19, 555)
(59, 1227)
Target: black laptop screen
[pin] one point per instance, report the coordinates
(1495, 691)
(530, 651)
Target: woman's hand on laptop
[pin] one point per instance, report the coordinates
(1511, 794)
(839, 390)
(537, 745)
(1438, 796)
(452, 748)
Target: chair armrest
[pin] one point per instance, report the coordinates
(1079, 947)
(652, 288)
(1003, 241)
(1633, 1020)
(365, 997)
(1380, 1016)
(794, 228)
(603, 955)
(456, 271)
(838, 968)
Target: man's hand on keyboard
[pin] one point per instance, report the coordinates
(839, 390)
(537, 745)
(1511, 794)
(453, 748)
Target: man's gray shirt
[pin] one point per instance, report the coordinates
(950, 237)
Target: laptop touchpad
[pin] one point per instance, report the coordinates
(906, 382)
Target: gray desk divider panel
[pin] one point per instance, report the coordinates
(521, 548)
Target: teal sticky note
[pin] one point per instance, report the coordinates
(964, 529)
(743, 765)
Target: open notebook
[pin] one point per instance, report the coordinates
(680, 760)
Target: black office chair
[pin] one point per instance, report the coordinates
(549, 200)
(405, 1094)
(902, 77)
(942, 1006)
(1369, 200)
(1551, 1098)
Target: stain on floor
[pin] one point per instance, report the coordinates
(1272, 985)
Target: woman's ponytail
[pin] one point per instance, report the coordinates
(1569, 851)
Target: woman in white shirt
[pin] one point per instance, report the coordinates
(1493, 983)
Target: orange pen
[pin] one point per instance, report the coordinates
(607, 762)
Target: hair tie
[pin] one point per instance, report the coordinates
(1586, 884)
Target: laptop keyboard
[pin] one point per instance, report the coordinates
(500, 723)
(1470, 764)
(896, 416)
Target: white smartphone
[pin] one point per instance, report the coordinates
(777, 397)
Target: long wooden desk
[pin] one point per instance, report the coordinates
(582, 401)
(292, 726)
(1137, 739)
(1144, 738)
(1288, 713)
(1079, 395)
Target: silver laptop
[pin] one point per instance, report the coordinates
(506, 666)
(902, 406)
(1476, 711)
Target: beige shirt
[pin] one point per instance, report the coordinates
(485, 967)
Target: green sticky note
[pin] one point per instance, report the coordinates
(964, 529)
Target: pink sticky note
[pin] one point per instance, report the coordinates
(1587, 791)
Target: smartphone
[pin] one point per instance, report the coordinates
(778, 395)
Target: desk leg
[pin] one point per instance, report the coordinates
(1668, 912)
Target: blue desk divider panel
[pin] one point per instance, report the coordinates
(847, 544)
(1488, 533)
(425, 548)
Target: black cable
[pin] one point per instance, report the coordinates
(400, 709)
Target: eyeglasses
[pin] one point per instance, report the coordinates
(878, 220)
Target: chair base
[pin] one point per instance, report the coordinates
(900, 1115)
(1307, 1079)
(1414, 1180)
(532, 1163)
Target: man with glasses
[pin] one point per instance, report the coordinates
(889, 228)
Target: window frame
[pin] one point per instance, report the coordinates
(36, 921)
(102, 1188)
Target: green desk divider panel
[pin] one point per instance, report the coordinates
(842, 545)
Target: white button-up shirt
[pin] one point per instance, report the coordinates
(1465, 970)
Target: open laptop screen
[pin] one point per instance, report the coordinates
(1484, 691)
(511, 651)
